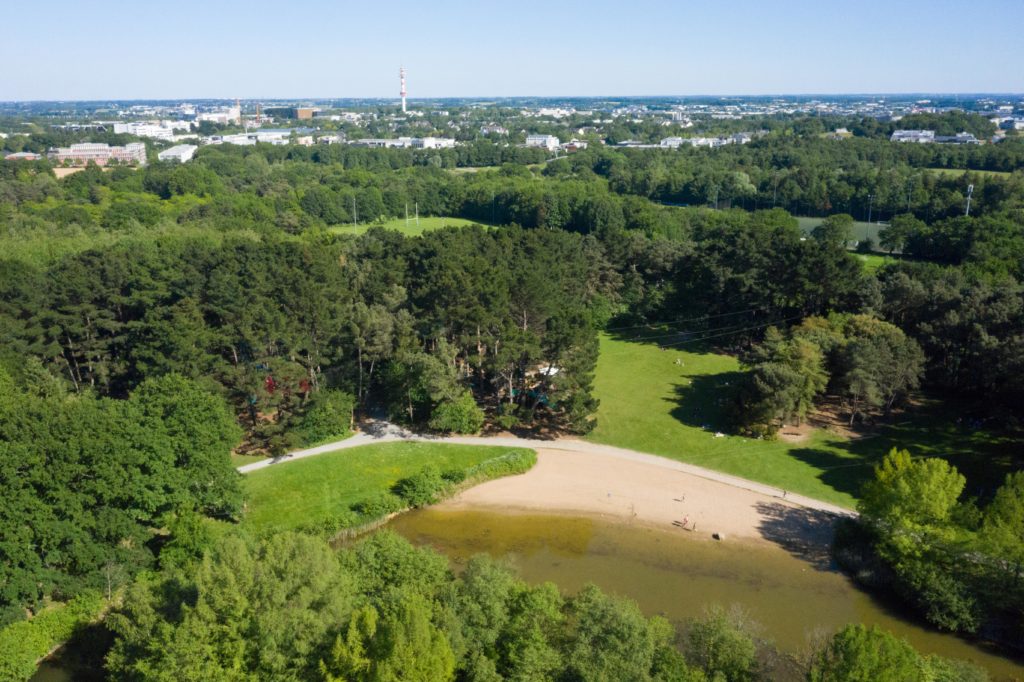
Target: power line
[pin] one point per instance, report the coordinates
(713, 336)
(702, 331)
(711, 333)
(681, 320)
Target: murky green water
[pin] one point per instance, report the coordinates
(675, 575)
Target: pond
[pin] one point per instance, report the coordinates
(793, 597)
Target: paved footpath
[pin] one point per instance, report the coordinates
(384, 432)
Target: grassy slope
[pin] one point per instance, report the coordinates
(425, 224)
(288, 495)
(649, 403)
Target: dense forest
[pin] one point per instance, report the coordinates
(154, 320)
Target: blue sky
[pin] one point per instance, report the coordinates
(75, 49)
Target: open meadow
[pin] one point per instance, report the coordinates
(650, 403)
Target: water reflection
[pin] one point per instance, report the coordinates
(794, 593)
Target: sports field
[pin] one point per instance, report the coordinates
(957, 172)
(861, 230)
(410, 228)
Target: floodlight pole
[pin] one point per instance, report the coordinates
(970, 192)
(871, 201)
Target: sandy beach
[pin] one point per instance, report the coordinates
(638, 492)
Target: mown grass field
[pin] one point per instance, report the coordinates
(651, 404)
(410, 229)
(861, 230)
(305, 491)
(957, 172)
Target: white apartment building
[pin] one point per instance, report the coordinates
(181, 153)
(549, 142)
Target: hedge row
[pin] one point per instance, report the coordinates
(421, 489)
(22, 644)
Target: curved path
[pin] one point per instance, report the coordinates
(384, 432)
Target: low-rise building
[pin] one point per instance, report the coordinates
(297, 113)
(433, 142)
(99, 153)
(404, 142)
(222, 116)
(549, 142)
(959, 138)
(23, 156)
(918, 136)
(181, 153)
(158, 130)
(383, 142)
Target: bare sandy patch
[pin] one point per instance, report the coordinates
(638, 492)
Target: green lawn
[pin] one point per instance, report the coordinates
(410, 229)
(957, 172)
(305, 491)
(861, 230)
(873, 261)
(650, 403)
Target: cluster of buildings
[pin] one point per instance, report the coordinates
(405, 143)
(677, 142)
(102, 154)
(277, 136)
(157, 130)
(1009, 122)
(223, 116)
(929, 137)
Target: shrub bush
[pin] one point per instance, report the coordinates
(329, 417)
(461, 415)
(381, 505)
(421, 489)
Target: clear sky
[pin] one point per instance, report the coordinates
(179, 49)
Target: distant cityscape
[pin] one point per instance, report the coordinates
(177, 129)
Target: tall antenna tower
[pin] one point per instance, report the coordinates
(401, 79)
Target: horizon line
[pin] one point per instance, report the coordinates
(513, 97)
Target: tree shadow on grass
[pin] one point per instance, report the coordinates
(842, 474)
(705, 400)
(804, 533)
